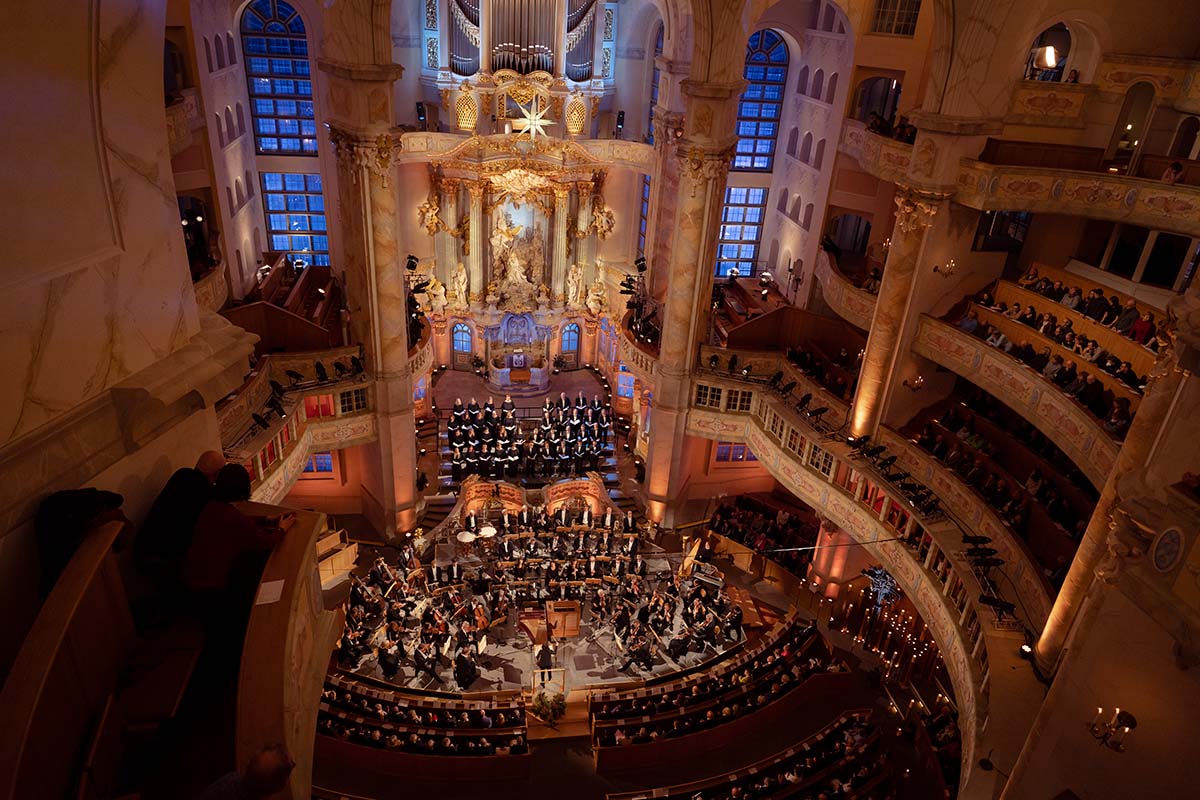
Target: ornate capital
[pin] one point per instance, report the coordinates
(377, 155)
(914, 210)
(1124, 545)
(561, 192)
(699, 165)
(475, 189)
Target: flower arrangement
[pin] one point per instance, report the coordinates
(549, 707)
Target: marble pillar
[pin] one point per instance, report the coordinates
(558, 275)
(475, 239)
(446, 252)
(585, 247)
(914, 213)
(701, 189)
(664, 184)
(1151, 414)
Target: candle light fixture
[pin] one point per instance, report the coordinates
(1112, 733)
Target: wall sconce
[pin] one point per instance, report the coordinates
(1112, 734)
(915, 384)
(945, 270)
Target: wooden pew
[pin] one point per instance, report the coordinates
(1086, 284)
(1141, 359)
(1018, 332)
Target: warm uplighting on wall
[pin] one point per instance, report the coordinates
(1112, 733)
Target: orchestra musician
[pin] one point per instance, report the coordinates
(524, 518)
(426, 660)
(586, 517)
(466, 672)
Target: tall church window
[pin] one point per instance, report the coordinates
(741, 230)
(761, 106)
(277, 70)
(296, 222)
(462, 338)
(655, 79)
(570, 339)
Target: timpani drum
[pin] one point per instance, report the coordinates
(463, 546)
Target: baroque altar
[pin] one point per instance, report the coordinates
(518, 354)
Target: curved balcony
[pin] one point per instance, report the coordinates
(1097, 195)
(996, 702)
(884, 158)
(849, 302)
(1076, 432)
(420, 355)
(640, 357)
(212, 290)
(968, 510)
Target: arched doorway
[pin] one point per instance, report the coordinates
(1047, 59)
(570, 346)
(879, 95)
(850, 234)
(1185, 138)
(1132, 124)
(462, 344)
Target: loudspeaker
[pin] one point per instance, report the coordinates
(620, 123)
(420, 111)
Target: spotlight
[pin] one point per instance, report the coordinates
(183, 222)
(199, 218)
(817, 412)
(1026, 650)
(322, 373)
(981, 552)
(294, 376)
(713, 361)
(261, 421)
(321, 290)
(410, 263)
(764, 294)
(640, 264)
(733, 362)
(987, 563)
(976, 539)
(746, 371)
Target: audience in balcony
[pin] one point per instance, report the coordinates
(743, 522)
(1173, 174)
(872, 282)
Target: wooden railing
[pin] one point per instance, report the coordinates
(67, 667)
(286, 651)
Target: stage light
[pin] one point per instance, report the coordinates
(1026, 650)
(410, 263)
(713, 360)
(765, 293)
(183, 222)
(199, 218)
(321, 290)
(640, 264)
(746, 371)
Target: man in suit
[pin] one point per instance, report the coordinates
(454, 572)
(506, 521)
(524, 517)
(637, 566)
(586, 517)
(562, 517)
(470, 522)
(607, 521)
(545, 660)
(629, 525)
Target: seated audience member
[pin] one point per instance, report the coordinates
(164, 538)
(265, 776)
(224, 535)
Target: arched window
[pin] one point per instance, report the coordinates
(230, 127)
(819, 156)
(831, 89)
(818, 84)
(219, 44)
(806, 148)
(277, 70)
(229, 48)
(797, 204)
(208, 54)
(791, 145)
(462, 338)
(781, 206)
(1048, 54)
(806, 223)
(570, 344)
(655, 79)
(241, 119)
(761, 105)
(802, 81)
(220, 126)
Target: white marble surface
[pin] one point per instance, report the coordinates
(116, 310)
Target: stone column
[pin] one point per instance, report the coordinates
(914, 213)
(558, 275)
(585, 248)
(702, 167)
(475, 241)
(1139, 441)
(370, 164)
(660, 231)
(446, 252)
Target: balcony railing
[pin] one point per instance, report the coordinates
(886, 159)
(1097, 195)
(849, 302)
(1076, 432)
